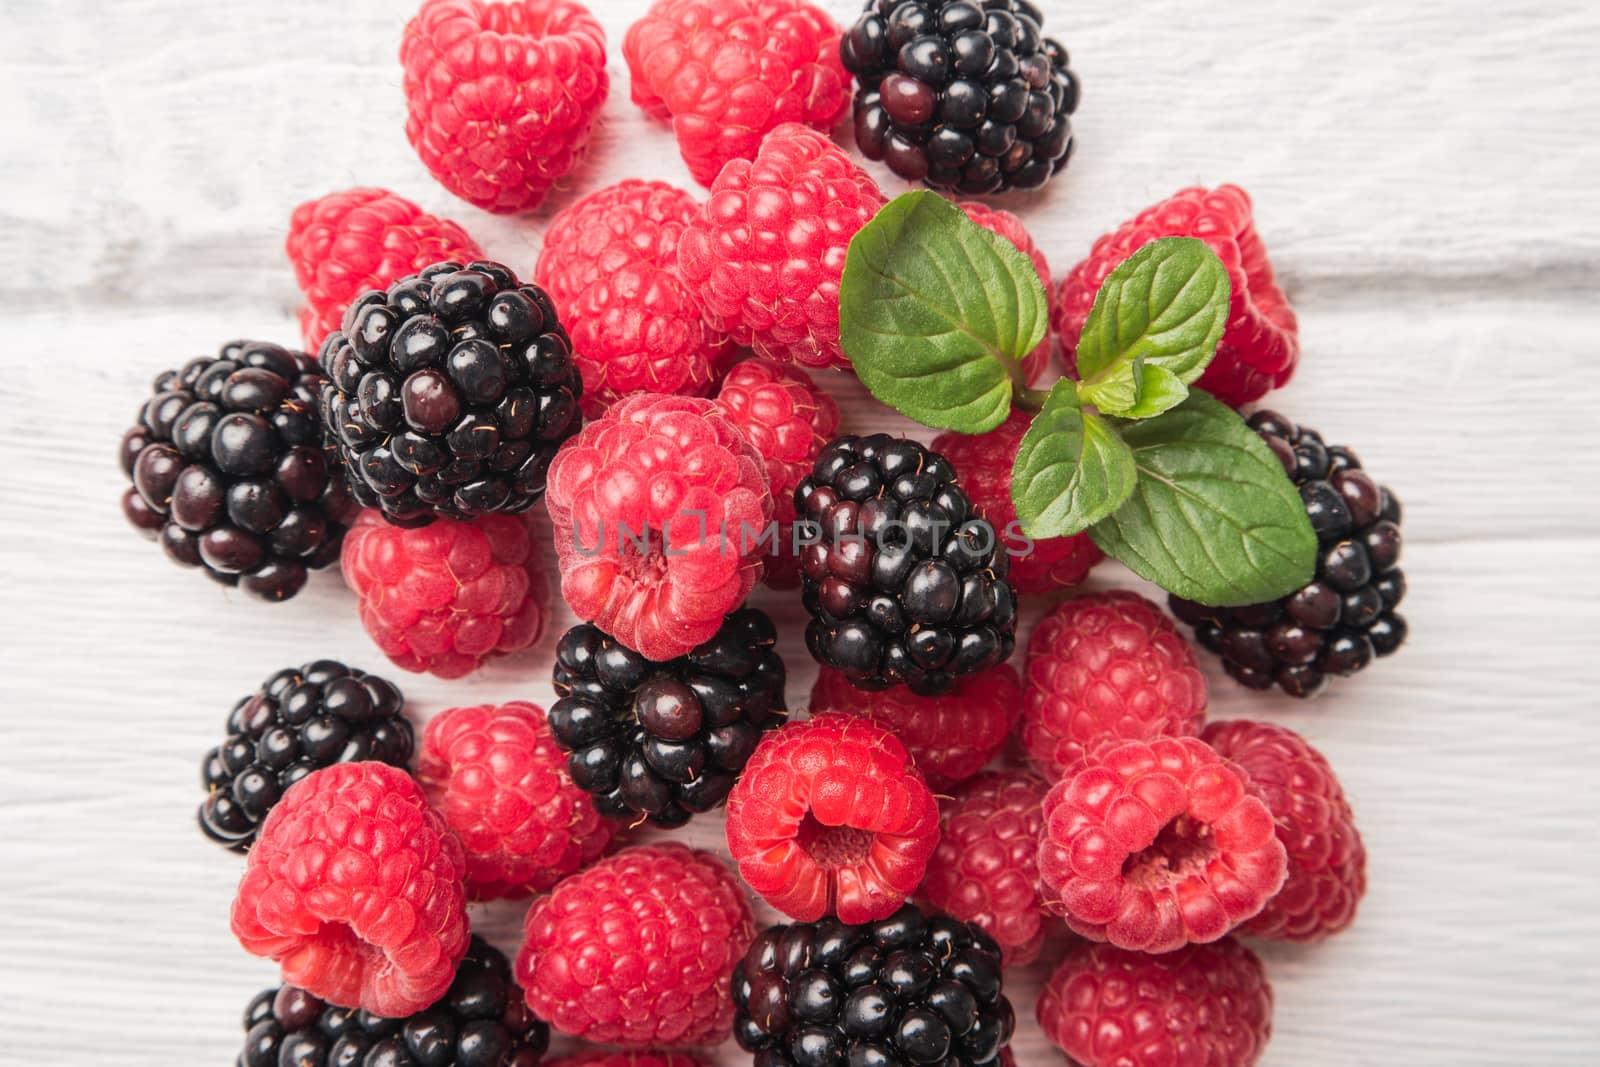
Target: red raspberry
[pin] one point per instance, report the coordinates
(500, 96)
(1110, 666)
(500, 780)
(659, 508)
(783, 413)
(952, 737)
(986, 870)
(1007, 225)
(766, 251)
(832, 815)
(1327, 861)
(601, 1058)
(610, 262)
(726, 72)
(345, 243)
(1261, 344)
(1201, 1006)
(1151, 845)
(637, 950)
(354, 887)
(983, 462)
(445, 597)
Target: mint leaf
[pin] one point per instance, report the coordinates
(1072, 469)
(936, 313)
(1213, 517)
(1154, 326)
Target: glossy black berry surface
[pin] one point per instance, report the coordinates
(1346, 616)
(909, 990)
(301, 720)
(666, 740)
(967, 95)
(905, 583)
(449, 393)
(231, 472)
(481, 1022)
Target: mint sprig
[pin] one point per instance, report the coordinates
(937, 313)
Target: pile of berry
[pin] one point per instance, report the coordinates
(656, 387)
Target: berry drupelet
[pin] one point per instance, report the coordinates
(960, 94)
(230, 471)
(666, 740)
(481, 1022)
(907, 583)
(450, 392)
(1346, 615)
(301, 720)
(905, 990)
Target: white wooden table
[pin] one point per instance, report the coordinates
(1424, 175)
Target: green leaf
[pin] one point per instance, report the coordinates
(1072, 468)
(936, 313)
(1213, 517)
(1154, 326)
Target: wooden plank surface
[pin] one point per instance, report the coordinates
(1424, 177)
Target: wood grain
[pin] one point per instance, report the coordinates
(1423, 174)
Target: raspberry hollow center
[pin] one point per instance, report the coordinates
(1183, 847)
(832, 847)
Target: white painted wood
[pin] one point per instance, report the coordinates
(1423, 174)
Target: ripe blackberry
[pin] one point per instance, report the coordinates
(481, 1022)
(905, 990)
(450, 392)
(1346, 615)
(231, 473)
(907, 583)
(301, 720)
(665, 740)
(961, 94)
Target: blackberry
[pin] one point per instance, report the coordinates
(231, 472)
(1346, 616)
(301, 720)
(665, 740)
(450, 392)
(961, 94)
(481, 1022)
(906, 583)
(906, 990)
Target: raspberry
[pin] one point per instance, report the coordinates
(906, 585)
(645, 1058)
(726, 72)
(358, 239)
(354, 887)
(986, 869)
(984, 463)
(300, 720)
(1261, 344)
(832, 816)
(658, 507)
(783, 413)
(447, 597)
(1012, 229)
(449, 393)
(904, 990)
(637, 950)
(1345, 616)
(766, 251)
(1107, 667)
(1152, 845)
(481, 1021)
(230, 471)
(610, 263)
(952, 737)
(500, 781)
(1205, 1005)
(961, 95)
(1327, 861)
(500, 97)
